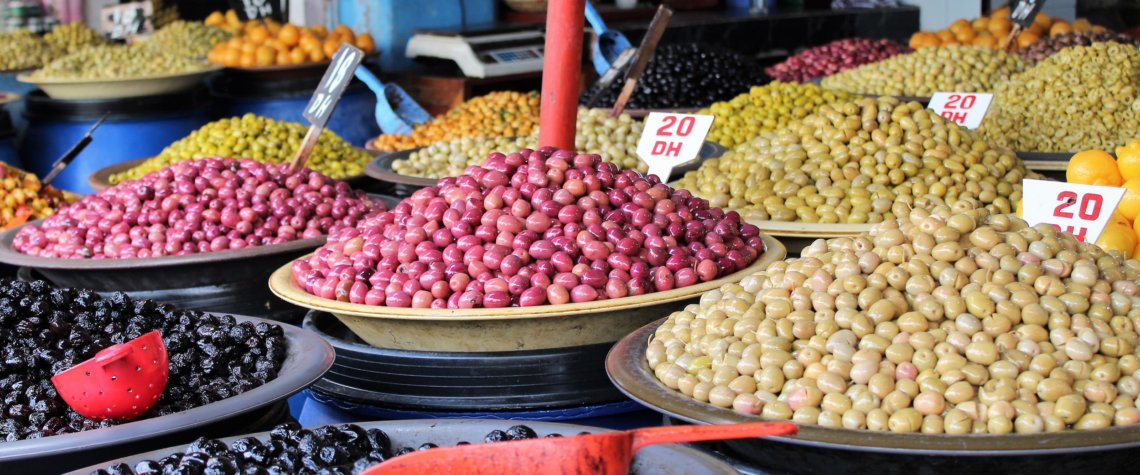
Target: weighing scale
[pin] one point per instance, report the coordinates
(491, 51)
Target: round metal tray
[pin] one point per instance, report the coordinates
(512, 328)
(444, 381)
(308, 357)
(115, 88)
(101, 179)
(658, 459)
(380, 168)
(821, 450)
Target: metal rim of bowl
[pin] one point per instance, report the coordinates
(28, 79)
(313, 356)
(281, 283)
(101, 178)
(9, 255)
(450, 426)
(630, 372)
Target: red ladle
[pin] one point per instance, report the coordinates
(120, 382)
(594, 454)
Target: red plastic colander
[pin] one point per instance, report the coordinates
(120, 382)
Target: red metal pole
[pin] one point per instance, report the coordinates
(560, 70)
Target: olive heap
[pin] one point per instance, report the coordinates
(859, 162)
(22, 49)
(614, 138)
(527, 229)
(22, 195)
(831, 58)
(340, 449)
(207, 205)
(73, 37)
(262, 139)
(189, 39)
(1084, 97)
(45, 330)
(686, 75)
(765, 109)
(950, 321)
(118, 62)
(928, 70)
(498, 114)
(1052, 45)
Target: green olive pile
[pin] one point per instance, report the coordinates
(929, 70)
(859, 162)
(764, 109)
(22, 49)
(615, 139)
(186, 38)
(944, 322)
(1084, 97)
(118, 62)
(259, 138)
(73, 37)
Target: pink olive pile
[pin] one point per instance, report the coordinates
(207, 205)
(831, 58)
(531, 228)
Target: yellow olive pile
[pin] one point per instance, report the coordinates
(928, 70)
(859, 162)
(764, 109)
(22, 49)
(1084, 97)
(498, 114)
(72, 37)
(942, 322)
(118, 62)
(185, 38)
(262, 139)
(615, 139)
(24, 198)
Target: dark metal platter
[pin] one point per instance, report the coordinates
(669, 459)
(308, 357)
(380, 168)
(821, 450)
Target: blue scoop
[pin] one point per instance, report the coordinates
(396, 111)
(610, 42)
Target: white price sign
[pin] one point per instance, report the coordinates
(1080, 210)
(669, 140)
(965, 108)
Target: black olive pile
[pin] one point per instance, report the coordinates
(686, 75)
(45, 330)
(340, 449)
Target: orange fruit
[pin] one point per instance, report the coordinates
(1136, 253)
(988, 41)
(319, 30)
(215, 19)
(1128, 160)
(966, 35)
(330, 47)
(298, 56)
(1082, 24)
(258, 34)
(1119, 219)
(248, 48)
(1130, 205)
(232, 57)
(232, 18)
(1093, 167)
(248, 60)
(365, 42)
(1037, 29)
(317, 55)
(1060, 28)
(1002, 12)
(959, 25)
(944, 35)
(1043, 20)
(1026, 38)
(1117, 237)
(924, 38)
(282, 57)
(289, 35)
(980, 23)
(310, 44)
(951, 41)
(1136, 229)
(273, 27)
(235, 43)
(1000, 26)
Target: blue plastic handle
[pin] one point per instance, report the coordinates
(365, 76)
(595, 19)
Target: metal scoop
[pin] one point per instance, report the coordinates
(121, 382)
(396, 111)
(595, 454)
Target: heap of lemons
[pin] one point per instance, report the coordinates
(1097, 167)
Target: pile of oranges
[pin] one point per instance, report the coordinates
(1097, 167)
(993, 30)
(268, 43)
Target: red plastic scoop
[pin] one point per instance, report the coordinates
(596, 454)
(121, 382)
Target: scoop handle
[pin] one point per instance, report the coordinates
(673, 434)
(112, 353)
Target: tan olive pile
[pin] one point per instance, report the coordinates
(615, 139)
(262, 139)
(73, 37)
(22, 49)
(859, 162)
(185, 38)
(118, 62)
(764, 109)
(928, 70)
(23, 196)
(944, 322)
(1084, 97)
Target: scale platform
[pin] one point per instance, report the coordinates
(484, 52)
